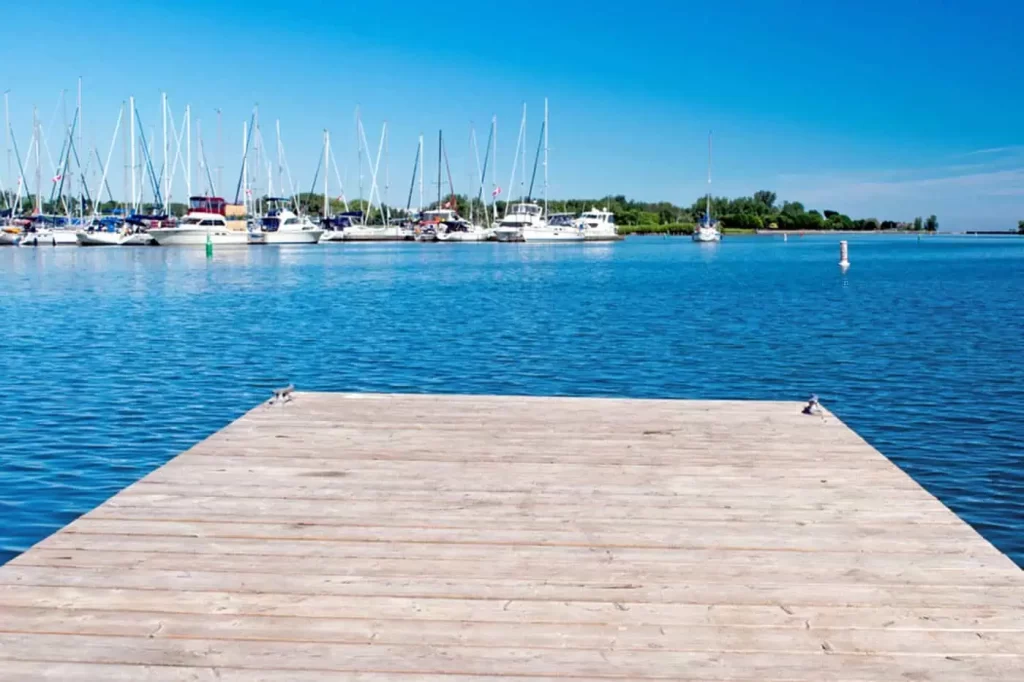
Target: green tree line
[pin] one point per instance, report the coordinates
(760, 211)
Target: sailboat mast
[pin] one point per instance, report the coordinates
(545, 156)
(438, 169)
(188, 149)
(245, 165)
(327, 155)
(39, 171)
(7, 127)
(494, 166)
(131, 107)
(421, 172)
(167, 184)
(277, 128)
(81, 147)
(707, 208)
(359, 152)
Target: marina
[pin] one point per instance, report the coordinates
(402, 535)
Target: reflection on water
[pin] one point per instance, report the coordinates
(117, 359)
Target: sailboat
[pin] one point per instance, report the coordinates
(444, 224)
(562, 230)
(707, 231)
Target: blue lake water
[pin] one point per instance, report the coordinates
(115, 360)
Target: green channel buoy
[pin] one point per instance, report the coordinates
(209, 246)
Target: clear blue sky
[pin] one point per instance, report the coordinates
(888, 109)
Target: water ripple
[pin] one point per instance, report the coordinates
(118, 359)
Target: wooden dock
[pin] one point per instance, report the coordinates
(457, 538)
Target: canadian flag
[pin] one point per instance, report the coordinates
(496, 192)
(448, 204)
(57, 177)
(248, 192)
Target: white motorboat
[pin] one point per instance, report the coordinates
(196, 229)
(560, 228)
(707, 230)
(517, 219)
(283, 226)
(205, 222)
(598, 226)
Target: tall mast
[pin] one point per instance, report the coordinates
(245, 165)
(220, 156)
(421, 172)
(327, 156)
(707, 206)
(359, 152)
(131, 107)
(124, 153)
(7, 127)
(81, 150)
(167, 185)
(39, 174)
(439, 169)
(545, 156)
(188, 149)
(522, 172)
(494, 165)
(277, 128)
(387, 175)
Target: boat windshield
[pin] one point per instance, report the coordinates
(528, 209)
(189, 220)
(207, 205)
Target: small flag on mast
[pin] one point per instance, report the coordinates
(57, 177)
(496, 192)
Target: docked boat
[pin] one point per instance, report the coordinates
(598, 226)
(518, 218)
(205, 222)
(463, 231)
(560, 227)
(283, 226)
(334, 227)
(377, 233)
(707, 231)
(10, 232)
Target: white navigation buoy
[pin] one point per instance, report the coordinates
(785, 237)
(844, 254)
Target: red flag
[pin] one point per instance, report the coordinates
(57, 177)
(496, 192)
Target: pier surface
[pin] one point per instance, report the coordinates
(456, 538)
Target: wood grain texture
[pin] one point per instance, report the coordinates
(377, 537)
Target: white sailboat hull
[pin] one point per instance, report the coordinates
(86, 238)
(371, 233)
(292, 237)
(508, 234)
(196, 236)
(476, 234)
(50, 238)
(707, 235)
(8, 239)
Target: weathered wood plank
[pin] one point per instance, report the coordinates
(373, 537)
